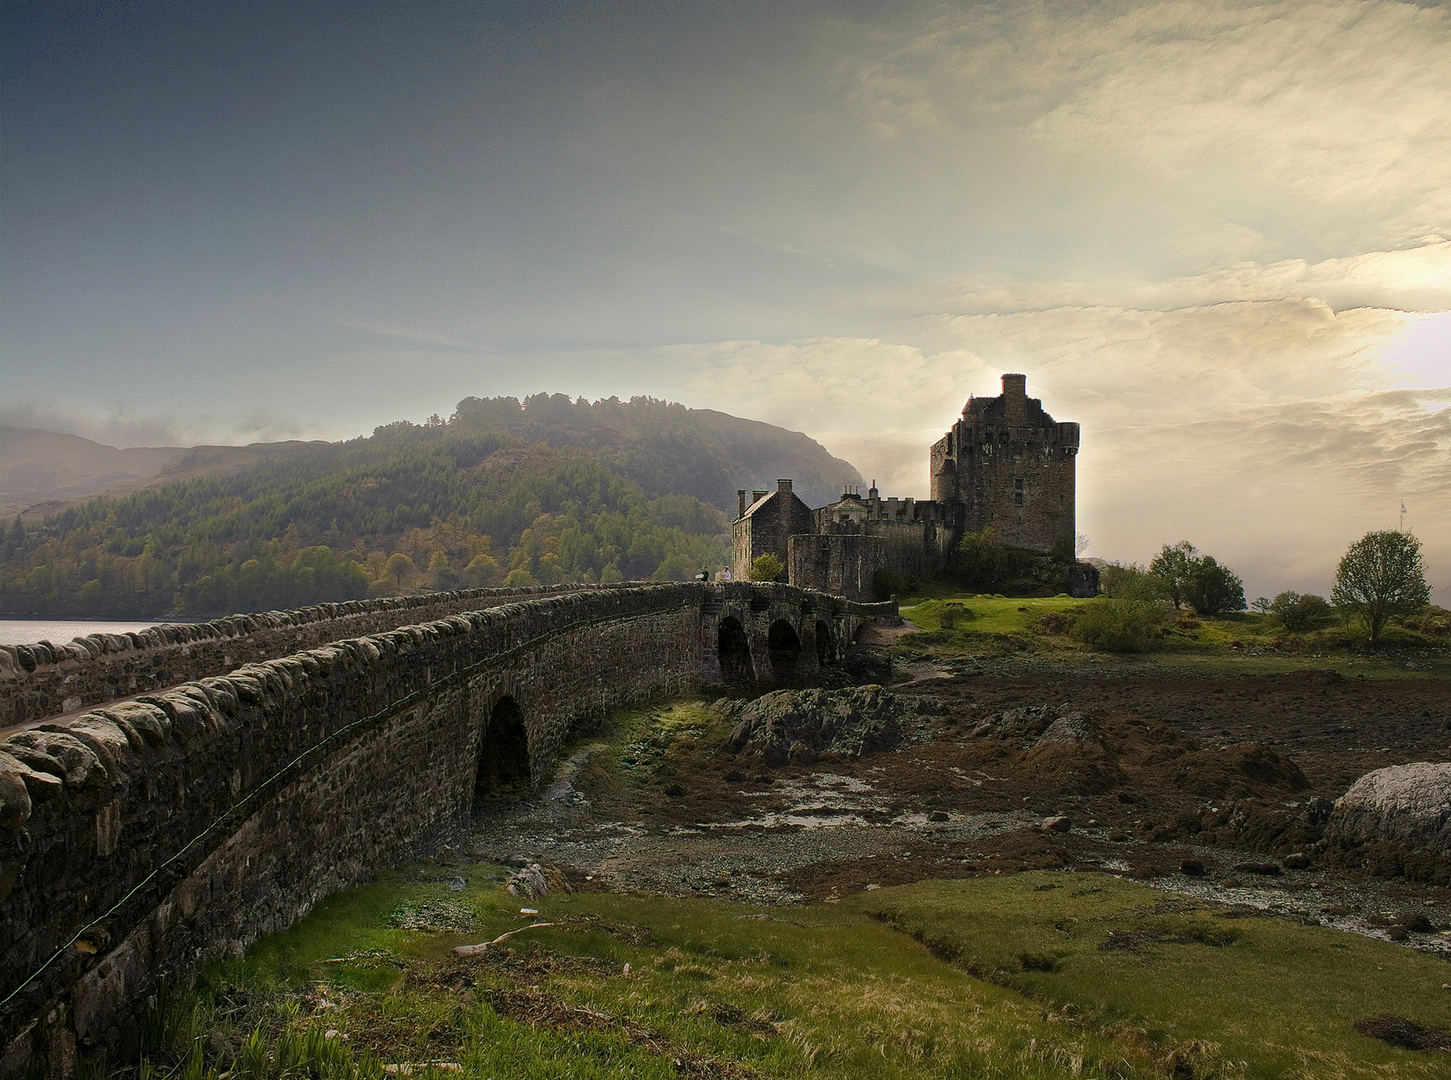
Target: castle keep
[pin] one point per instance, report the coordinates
(1005, 464)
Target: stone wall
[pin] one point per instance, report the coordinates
(140, 841)
(47, 679)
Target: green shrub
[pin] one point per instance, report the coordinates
(1129, 581)
(1119, 625)
(1299, 613)
(767, 567)
(887, 583)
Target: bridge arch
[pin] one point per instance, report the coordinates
(825, 644)
(785, 648)
(503, 753)
(734, 651)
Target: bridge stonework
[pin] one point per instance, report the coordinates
(142, 840)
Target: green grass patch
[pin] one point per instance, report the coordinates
(979, 614)
(1248, 643)
(1253, 997)
(641, 741)
(1038, 975)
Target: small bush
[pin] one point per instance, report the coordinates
(954, 613)
(767, 567)
(1129, 581)
(1434, 620)
(1053, 623)
(1299, 613)
(887, 583)
(1119, 625)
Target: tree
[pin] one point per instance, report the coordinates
(1213, 588)
(767, 567)
(1381, 576)
(399, 566)
(1298, 613)
(1197, 580)
(1172, 566)
(1120, 581)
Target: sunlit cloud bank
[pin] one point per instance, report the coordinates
(1258, 430)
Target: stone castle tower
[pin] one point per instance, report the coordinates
(1007, 464)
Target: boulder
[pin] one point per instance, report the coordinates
(799, 725)
(1408, 804)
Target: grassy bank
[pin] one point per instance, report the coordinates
(1039, 975)
(961, 625)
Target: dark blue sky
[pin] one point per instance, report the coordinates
(234, 221)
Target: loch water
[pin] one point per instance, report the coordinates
(60, 631)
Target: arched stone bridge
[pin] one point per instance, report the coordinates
(143, 839)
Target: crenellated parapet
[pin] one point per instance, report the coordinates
(145, 838)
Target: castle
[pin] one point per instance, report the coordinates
(1005, 464)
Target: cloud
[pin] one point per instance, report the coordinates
(1321, 123)
(121, 425)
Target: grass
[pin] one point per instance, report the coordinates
(1238, 996)
(1248, 643)
(980, 614)
(994, 977)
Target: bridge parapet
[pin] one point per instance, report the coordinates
(45, 678)
(142, 840)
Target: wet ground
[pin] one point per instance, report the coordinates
(1203, 786)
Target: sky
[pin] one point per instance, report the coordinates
(1216, 234)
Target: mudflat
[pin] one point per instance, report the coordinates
(1214, 786)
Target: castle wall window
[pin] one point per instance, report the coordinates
(1018, 492)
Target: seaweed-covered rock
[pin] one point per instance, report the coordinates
(1029, 723)
(797, 725)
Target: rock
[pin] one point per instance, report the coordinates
(1192, 868)
(1410, 804)
(1071, 727)
(40, 786)
(1058, 824)
(1030, 722)
(529, 881)
(14, 795)
(939, 815)
(1296, 860)
(79, 765)
(1266, 869)
(798, 726)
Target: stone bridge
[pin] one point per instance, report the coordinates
(142, 839)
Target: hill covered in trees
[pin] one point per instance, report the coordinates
(545, 490)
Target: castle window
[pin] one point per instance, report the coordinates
(1018, 492)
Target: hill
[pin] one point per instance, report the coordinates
(665, 447)
(505, 492)
(48, 467)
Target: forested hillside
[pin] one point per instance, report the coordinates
(504, 492)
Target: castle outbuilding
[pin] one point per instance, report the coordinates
(1005, 464)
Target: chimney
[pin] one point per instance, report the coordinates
(1015, 386)
(757, 496)
(783, 487)
(741, 498)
